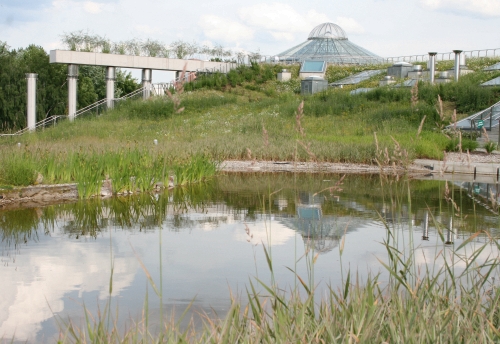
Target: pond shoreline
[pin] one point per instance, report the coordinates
(41, 195)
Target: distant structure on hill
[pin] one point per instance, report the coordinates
(328, 42)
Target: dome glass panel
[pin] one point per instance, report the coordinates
(328, 42)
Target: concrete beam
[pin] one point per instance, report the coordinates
(139, 62)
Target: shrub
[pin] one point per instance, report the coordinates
(490, 146)
(467, 145)
(17, 171)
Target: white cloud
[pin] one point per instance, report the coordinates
(224, 29)
(486, 8)
(284, 23)
(147, 29)
(60, 4)
(349, 25)
(92, 7)
(282, 36)
(280, 18)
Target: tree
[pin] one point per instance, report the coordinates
(154, 49)
(125, 83)
(86, 92)
(51, 95)
(181, 49)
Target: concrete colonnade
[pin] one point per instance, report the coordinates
(110, 87)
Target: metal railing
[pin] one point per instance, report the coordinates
(95, 108)
(404, 58)
(489, 117)
(246, 59)
(49, 121)
(445, 56)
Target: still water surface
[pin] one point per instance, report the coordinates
(204, 242)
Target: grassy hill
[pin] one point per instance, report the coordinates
(247, 114)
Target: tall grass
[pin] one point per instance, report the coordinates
(128, 170)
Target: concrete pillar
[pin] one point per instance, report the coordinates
(110, 86)
(72, 90)
(463, 61)
(31, 100)
(432, 67)
(457, 63)
(146, 82)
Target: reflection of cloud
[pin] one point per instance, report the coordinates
(431, 255)
(42, 278)
(270, 233)
(486, 8)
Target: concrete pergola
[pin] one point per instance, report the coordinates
(111, 61)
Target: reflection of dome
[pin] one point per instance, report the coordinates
(328, 42)
(327, 30)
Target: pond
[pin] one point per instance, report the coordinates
(191, 249)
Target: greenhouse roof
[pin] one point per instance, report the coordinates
(361, 90)
(357, 78)
(328, 42)
(496, 66)
(407, 83)
(493, 82)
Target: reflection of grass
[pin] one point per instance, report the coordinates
(451, 298)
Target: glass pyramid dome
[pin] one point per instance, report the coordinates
(328, 42)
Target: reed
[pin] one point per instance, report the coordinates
(128, 170)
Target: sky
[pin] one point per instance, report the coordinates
(388, 28)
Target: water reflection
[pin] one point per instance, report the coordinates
(207, 235)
